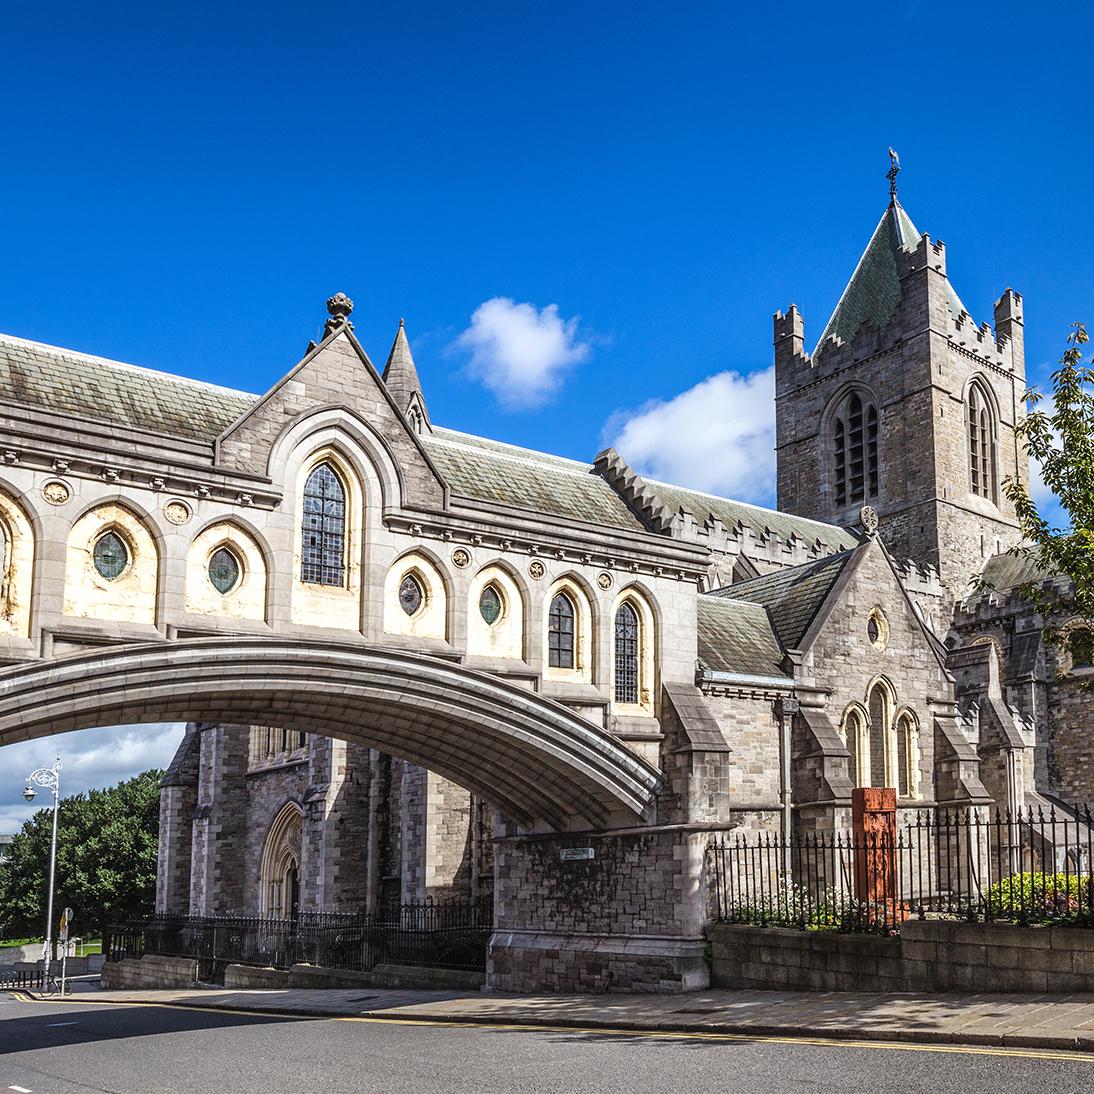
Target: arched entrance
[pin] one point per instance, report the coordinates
(279, 874)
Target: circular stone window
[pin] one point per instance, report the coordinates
(877, 629)
(224, 570)
(490, 605)
(110, 555)
(410, 595)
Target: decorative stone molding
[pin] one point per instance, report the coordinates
(56, 493)
(177, 512)
(536, 569)
(461, 557)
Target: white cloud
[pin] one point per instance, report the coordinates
(718, 436)
(519, 352)
(89, 758)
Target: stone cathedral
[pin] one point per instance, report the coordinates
(763, 662)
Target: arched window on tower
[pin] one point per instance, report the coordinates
(981, 430)
(627, 639)
(855, 465)
(323, 534)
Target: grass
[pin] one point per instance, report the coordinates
(88, 947)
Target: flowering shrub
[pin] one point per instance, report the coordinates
(1040, 898)
(786, 904)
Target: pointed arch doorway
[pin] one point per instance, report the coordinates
(280, 867)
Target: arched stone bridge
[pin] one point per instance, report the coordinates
(532, 757)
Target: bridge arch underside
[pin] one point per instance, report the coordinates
(537, 761)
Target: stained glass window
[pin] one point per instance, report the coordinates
(110, 555)
(560, 633)
(490, 605)
(324, 529)
(410, 594)
(626, 655)
(224, 570)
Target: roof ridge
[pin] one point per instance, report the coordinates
(747, 504)
(439, 438)
(62, 351)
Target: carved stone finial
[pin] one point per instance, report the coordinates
(868, 519)
(339, 306)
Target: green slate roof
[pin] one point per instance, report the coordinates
(45, 377)
(1005, 571)
(760, 520)
(792, 596)
(873, 293)
(736, 636)
(502, 473)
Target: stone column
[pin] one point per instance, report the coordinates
(219, 826)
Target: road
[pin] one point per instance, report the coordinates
(73, 1048)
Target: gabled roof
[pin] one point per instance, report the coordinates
(49, 378)
(873, 293)
(760, 520)
(792, 597)
(736, 636)
(494, 472)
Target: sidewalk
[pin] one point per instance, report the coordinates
(1027, 1021)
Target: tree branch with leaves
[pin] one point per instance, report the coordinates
(1061, 440)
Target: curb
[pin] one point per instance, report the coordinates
(730, 1029)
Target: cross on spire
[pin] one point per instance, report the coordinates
(891, 174)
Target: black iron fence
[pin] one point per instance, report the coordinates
(1029, 868)
(32, 980)
(452, 935)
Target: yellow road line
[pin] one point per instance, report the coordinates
(680, 1035)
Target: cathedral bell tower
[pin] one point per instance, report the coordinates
(905, 404)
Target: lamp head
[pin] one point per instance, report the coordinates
(29, 793)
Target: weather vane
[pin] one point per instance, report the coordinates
(891, 174)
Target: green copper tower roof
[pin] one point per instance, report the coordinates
(873, 293)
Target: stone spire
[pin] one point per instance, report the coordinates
(874, 291)
(402, 381)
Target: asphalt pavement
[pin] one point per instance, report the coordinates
(68, 1047)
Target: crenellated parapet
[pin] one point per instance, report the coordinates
(633, 488)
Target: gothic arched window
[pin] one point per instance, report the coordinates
(323, 546)
(981, 429)
(560, 633)
(907, 755)
(855, 451)
(878, 759)
(853, 731)
(627, 638)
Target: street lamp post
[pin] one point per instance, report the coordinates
(49, 778)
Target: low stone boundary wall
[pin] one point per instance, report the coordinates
(151, 971)
(382, 976)
(927, 956)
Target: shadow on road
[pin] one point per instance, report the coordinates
(47, 1024)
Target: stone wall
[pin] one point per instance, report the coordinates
(629, 918)
(928, 956)
(150, 971)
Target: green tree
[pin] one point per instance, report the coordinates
(106, 860)
(1061, 439)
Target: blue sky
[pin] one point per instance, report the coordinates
(628, 190)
